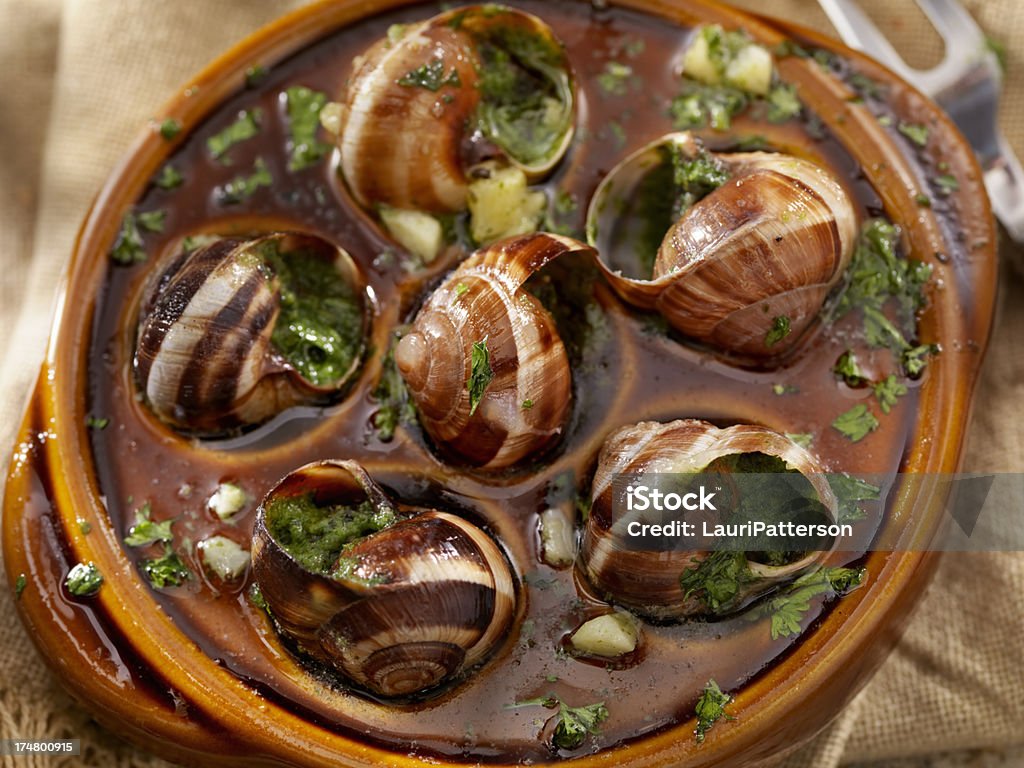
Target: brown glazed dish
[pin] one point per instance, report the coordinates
(193, 667)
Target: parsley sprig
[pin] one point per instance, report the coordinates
(710, 709)
(480, 374)
(574, 723)
(789, 606)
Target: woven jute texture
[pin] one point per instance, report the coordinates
(80, 78)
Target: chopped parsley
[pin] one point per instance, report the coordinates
(303, 106)
(243, 187)
(888, 392)
(84, 580)
(614, 79)
(430, 76)
(784, 389)
(526, 102)
(169, 178)
(856, 423)
(169, 128)
(84, 526)
(848, 369)
(878, 276)
(480, 375)
(923, 200)
(245, 127)
(712, 105)
(527, 404)
(850, 492)
(788, 607)
(716, 579)
(710, 709)
(95, 422)
(915, 132)
(915, 359)
(574, 723)
(19, 586)
(783, 104)
(394, 405)
(780, 329)
(947, 184)
(168, 570)
(144, 531)
(320, 327)
(128, 249)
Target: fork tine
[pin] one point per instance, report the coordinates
(857, 29)
(954, 23)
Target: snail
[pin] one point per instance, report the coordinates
(396, 605)
(665, 583)
(484, 363)
(741, 255)
(458, 97)
(237, 330)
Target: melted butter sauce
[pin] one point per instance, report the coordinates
(627, 373)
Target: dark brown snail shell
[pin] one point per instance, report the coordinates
(648, 582)
(525, 405)
(766, 246)
(205, 361)
(404, 609)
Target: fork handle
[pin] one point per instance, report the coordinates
(1004, 180)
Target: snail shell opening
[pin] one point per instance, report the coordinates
(395, 605)
(436, 108)
(743, 253)
(234, 331)
(651, 582)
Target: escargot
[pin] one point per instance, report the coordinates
(484, 363)
(742, 252)
(234, 331)
(437, 104)
(666, 584)
(398, 605)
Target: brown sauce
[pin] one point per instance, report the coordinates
(630, 373)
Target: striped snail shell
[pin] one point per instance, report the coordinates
(207, 359)
(481, 321)
(401, 608)
(407, 135)
(747, 267)
(649, 582)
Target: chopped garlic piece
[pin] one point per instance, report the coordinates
(227, 500)
(224, 557)
(419, 233)
(751, 70)
(502, 205)
(609, 636)
(557, 538)
(332, 116)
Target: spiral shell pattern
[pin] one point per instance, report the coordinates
(421, 601)
(408, 135)
(770, 243)
(524, 407)
(648, 582)
(204, 359)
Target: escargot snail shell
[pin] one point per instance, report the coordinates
(427, 598)
(648, 582)
(410, 146)
(525, 405)
(204, 358)
(771, 242)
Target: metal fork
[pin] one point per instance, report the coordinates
(965, 83)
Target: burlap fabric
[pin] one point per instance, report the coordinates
(81, 77)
